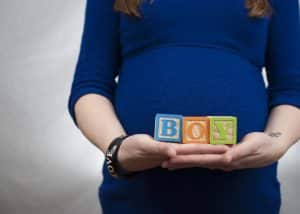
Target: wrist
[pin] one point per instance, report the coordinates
(110, 140)
(122, 157)
(280, 145)
(111, 158)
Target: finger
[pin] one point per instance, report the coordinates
(204, 160)
(196, 148)
(172, 169)
(252, 162)
(247, 162)
(242, 150)
(163, 149)
(226, 169)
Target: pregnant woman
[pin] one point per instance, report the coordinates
(193, 58)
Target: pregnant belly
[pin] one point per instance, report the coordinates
(191, 81)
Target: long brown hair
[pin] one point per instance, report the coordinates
(256, 8)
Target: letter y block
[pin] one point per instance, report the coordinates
(223, 129)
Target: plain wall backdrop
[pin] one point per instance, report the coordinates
(46, 164)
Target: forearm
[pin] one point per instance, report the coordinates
(97, 120)
(284, 125)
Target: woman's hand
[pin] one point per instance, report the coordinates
(257, 149)
(140, 152)
(198, 155)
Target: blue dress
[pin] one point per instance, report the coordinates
(190, 58)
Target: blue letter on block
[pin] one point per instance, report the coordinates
(168, 127)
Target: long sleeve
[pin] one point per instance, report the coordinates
(283, 54)
(99, 56)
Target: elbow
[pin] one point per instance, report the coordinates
(284, 96)
(80, 89)
(284, 86)
(90, 78)
(76, 93)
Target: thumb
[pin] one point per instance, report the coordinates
(242, 150)
(164, 149)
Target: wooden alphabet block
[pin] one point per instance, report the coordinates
(195, 130)
(168, 127)
(223, 129)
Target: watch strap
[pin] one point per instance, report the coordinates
(111, 158)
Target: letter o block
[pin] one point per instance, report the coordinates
(195, 130)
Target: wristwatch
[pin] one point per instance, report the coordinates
(112, 162)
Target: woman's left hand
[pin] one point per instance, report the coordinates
(256, 149)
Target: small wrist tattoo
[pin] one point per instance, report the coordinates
(275, 134)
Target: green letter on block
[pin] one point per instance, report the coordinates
(223, 129)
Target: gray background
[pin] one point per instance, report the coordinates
(46, 164)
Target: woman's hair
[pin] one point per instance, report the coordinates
(256, 8)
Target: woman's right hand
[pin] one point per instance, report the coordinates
(140, 152)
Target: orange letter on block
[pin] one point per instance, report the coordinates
(195, 130)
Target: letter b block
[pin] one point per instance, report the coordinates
(168, 127)
(223, 129)
(195, 130)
